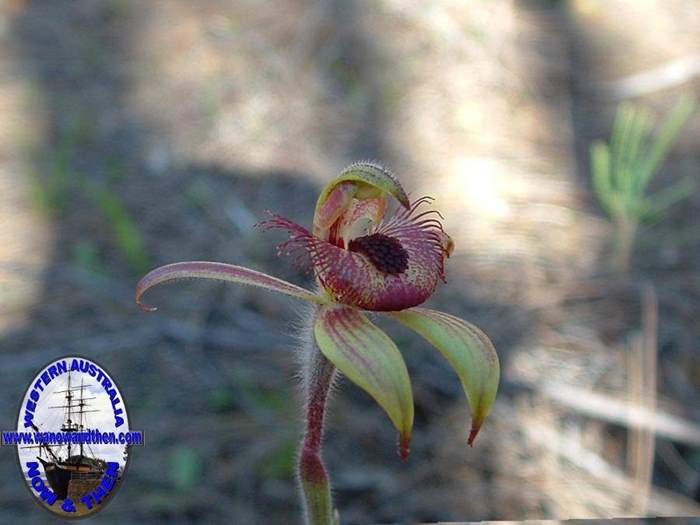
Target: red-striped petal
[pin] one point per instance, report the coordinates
(468, 350)
(371, 360)
(218, 272)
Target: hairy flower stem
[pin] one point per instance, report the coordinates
(315, 485)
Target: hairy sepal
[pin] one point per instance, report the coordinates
(468, 350)
(371, 360)
(219, 272)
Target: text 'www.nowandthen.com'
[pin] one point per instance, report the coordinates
(85, 437)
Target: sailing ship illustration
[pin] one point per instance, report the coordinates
(71, 469)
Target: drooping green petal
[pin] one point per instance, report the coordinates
(469, 351)
(219, 272)
(372, 180)
(367, 356)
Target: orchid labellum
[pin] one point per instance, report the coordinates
(370, 249)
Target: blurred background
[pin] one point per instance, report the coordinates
(134, 134)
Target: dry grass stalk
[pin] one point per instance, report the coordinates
(642, 391)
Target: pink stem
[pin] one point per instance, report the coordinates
(312, 473)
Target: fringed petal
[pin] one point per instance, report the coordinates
(413, 250)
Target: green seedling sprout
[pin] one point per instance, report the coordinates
(623, 169)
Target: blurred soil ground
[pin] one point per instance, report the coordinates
(134, 134)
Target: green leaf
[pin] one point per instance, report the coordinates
(86, 256)
(186, 468)
(221, 399)
(664, 139)
(280, 461)
(663, 199)
(618, 140)
(639, 135)
(468, 350)
(218, 272)
(600, 168)
(367, 356)
(125, 229)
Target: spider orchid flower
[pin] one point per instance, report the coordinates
(370, 249)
